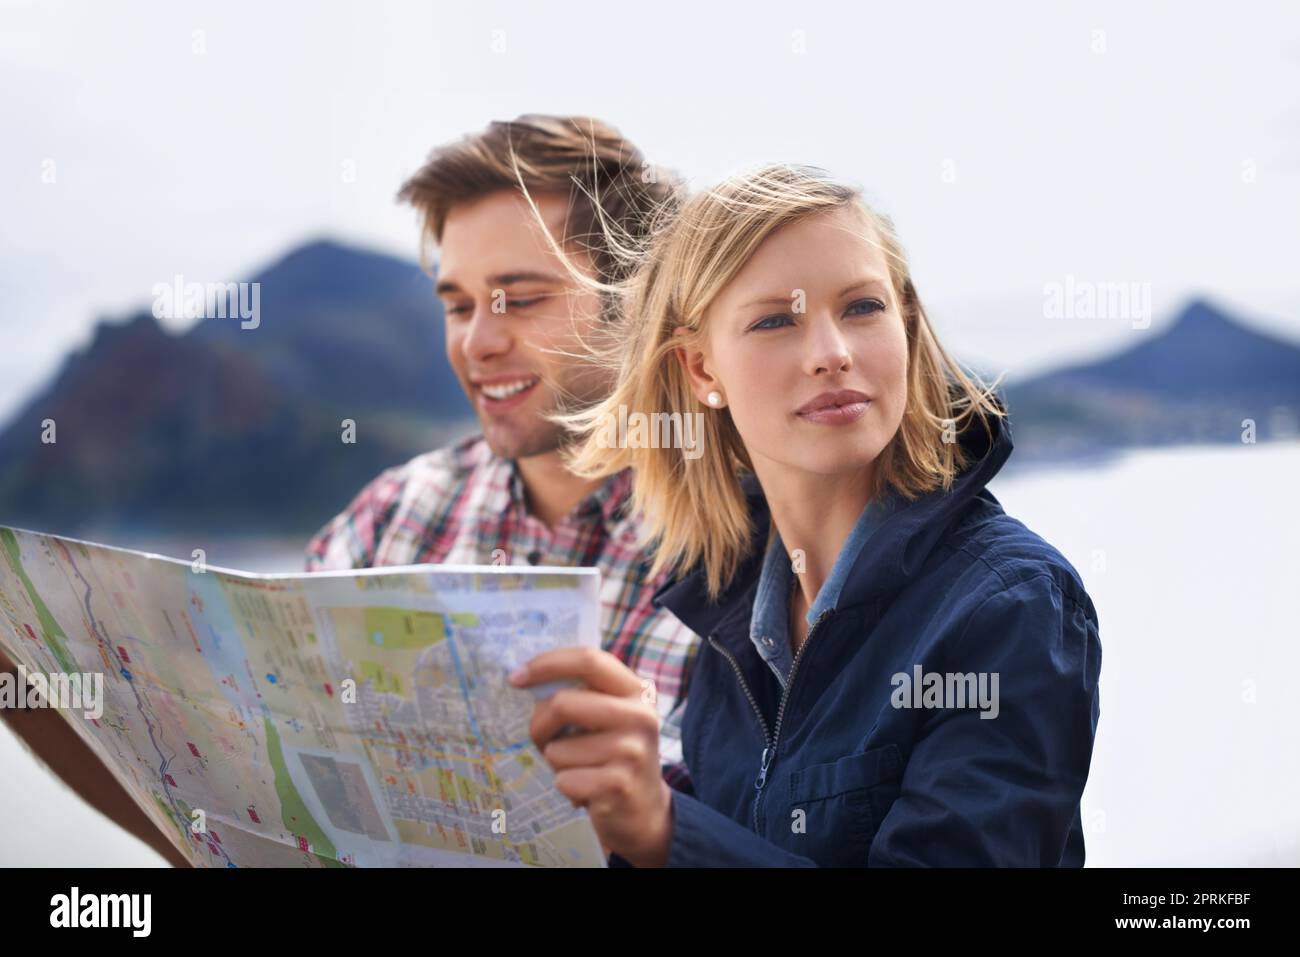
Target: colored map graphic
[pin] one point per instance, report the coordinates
(337, 719)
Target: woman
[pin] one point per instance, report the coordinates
(893, 671)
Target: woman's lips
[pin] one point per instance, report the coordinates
(837, 414)
(835, 408)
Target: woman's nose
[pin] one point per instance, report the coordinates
(827, 351)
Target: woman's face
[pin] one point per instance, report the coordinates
(807, 347)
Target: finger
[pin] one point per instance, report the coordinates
(590, 710)
(592, 750)
(594, 667)
(596, 789)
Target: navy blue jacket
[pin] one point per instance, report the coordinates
(950, 583)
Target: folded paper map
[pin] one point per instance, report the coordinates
(349, 718)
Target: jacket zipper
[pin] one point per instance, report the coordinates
(770, 741)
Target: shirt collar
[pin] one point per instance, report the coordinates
(872, 516)
(769, 625)
(609, 500)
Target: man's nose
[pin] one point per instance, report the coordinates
(488, 334)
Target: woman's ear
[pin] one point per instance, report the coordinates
(695, 365)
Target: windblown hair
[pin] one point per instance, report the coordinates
(695, 510)
(613, 189)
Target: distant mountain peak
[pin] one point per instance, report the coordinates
(323, 248)
(1201, 378)
(1203, 316)
(1205, 355)
(134, 329)
(326, 267)
(222, 426)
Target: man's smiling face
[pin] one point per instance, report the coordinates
(515, 318)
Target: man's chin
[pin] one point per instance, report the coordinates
(508, 443)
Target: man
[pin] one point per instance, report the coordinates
(515, 324)
(502, 496)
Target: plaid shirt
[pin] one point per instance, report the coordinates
(461, 504)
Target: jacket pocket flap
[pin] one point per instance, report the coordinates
(851, 773)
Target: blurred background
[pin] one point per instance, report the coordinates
(1101, 201)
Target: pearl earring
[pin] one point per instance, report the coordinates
(714, 398)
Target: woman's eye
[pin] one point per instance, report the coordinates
(864, 307)
(771, 322)
(522, 303)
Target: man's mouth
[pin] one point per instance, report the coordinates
(506, 389)
(504, 393)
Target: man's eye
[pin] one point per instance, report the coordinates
(457, 309)
(864, 307)
(771, 322)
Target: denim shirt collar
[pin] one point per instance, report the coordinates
(769, 625)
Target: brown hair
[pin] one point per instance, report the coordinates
(613, 189)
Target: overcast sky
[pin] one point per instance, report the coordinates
(1013, 144)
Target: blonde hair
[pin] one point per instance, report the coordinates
(695, 511)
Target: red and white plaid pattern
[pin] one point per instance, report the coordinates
(464, 505)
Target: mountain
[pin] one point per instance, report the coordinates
(239, 429)
(233, 430)
(1195, 381)
(359, 329)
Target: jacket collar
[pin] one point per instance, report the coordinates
(899, 547)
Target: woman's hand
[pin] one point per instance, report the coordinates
(612, 768)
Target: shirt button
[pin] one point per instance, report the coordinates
(767, 641)
(534, 557)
